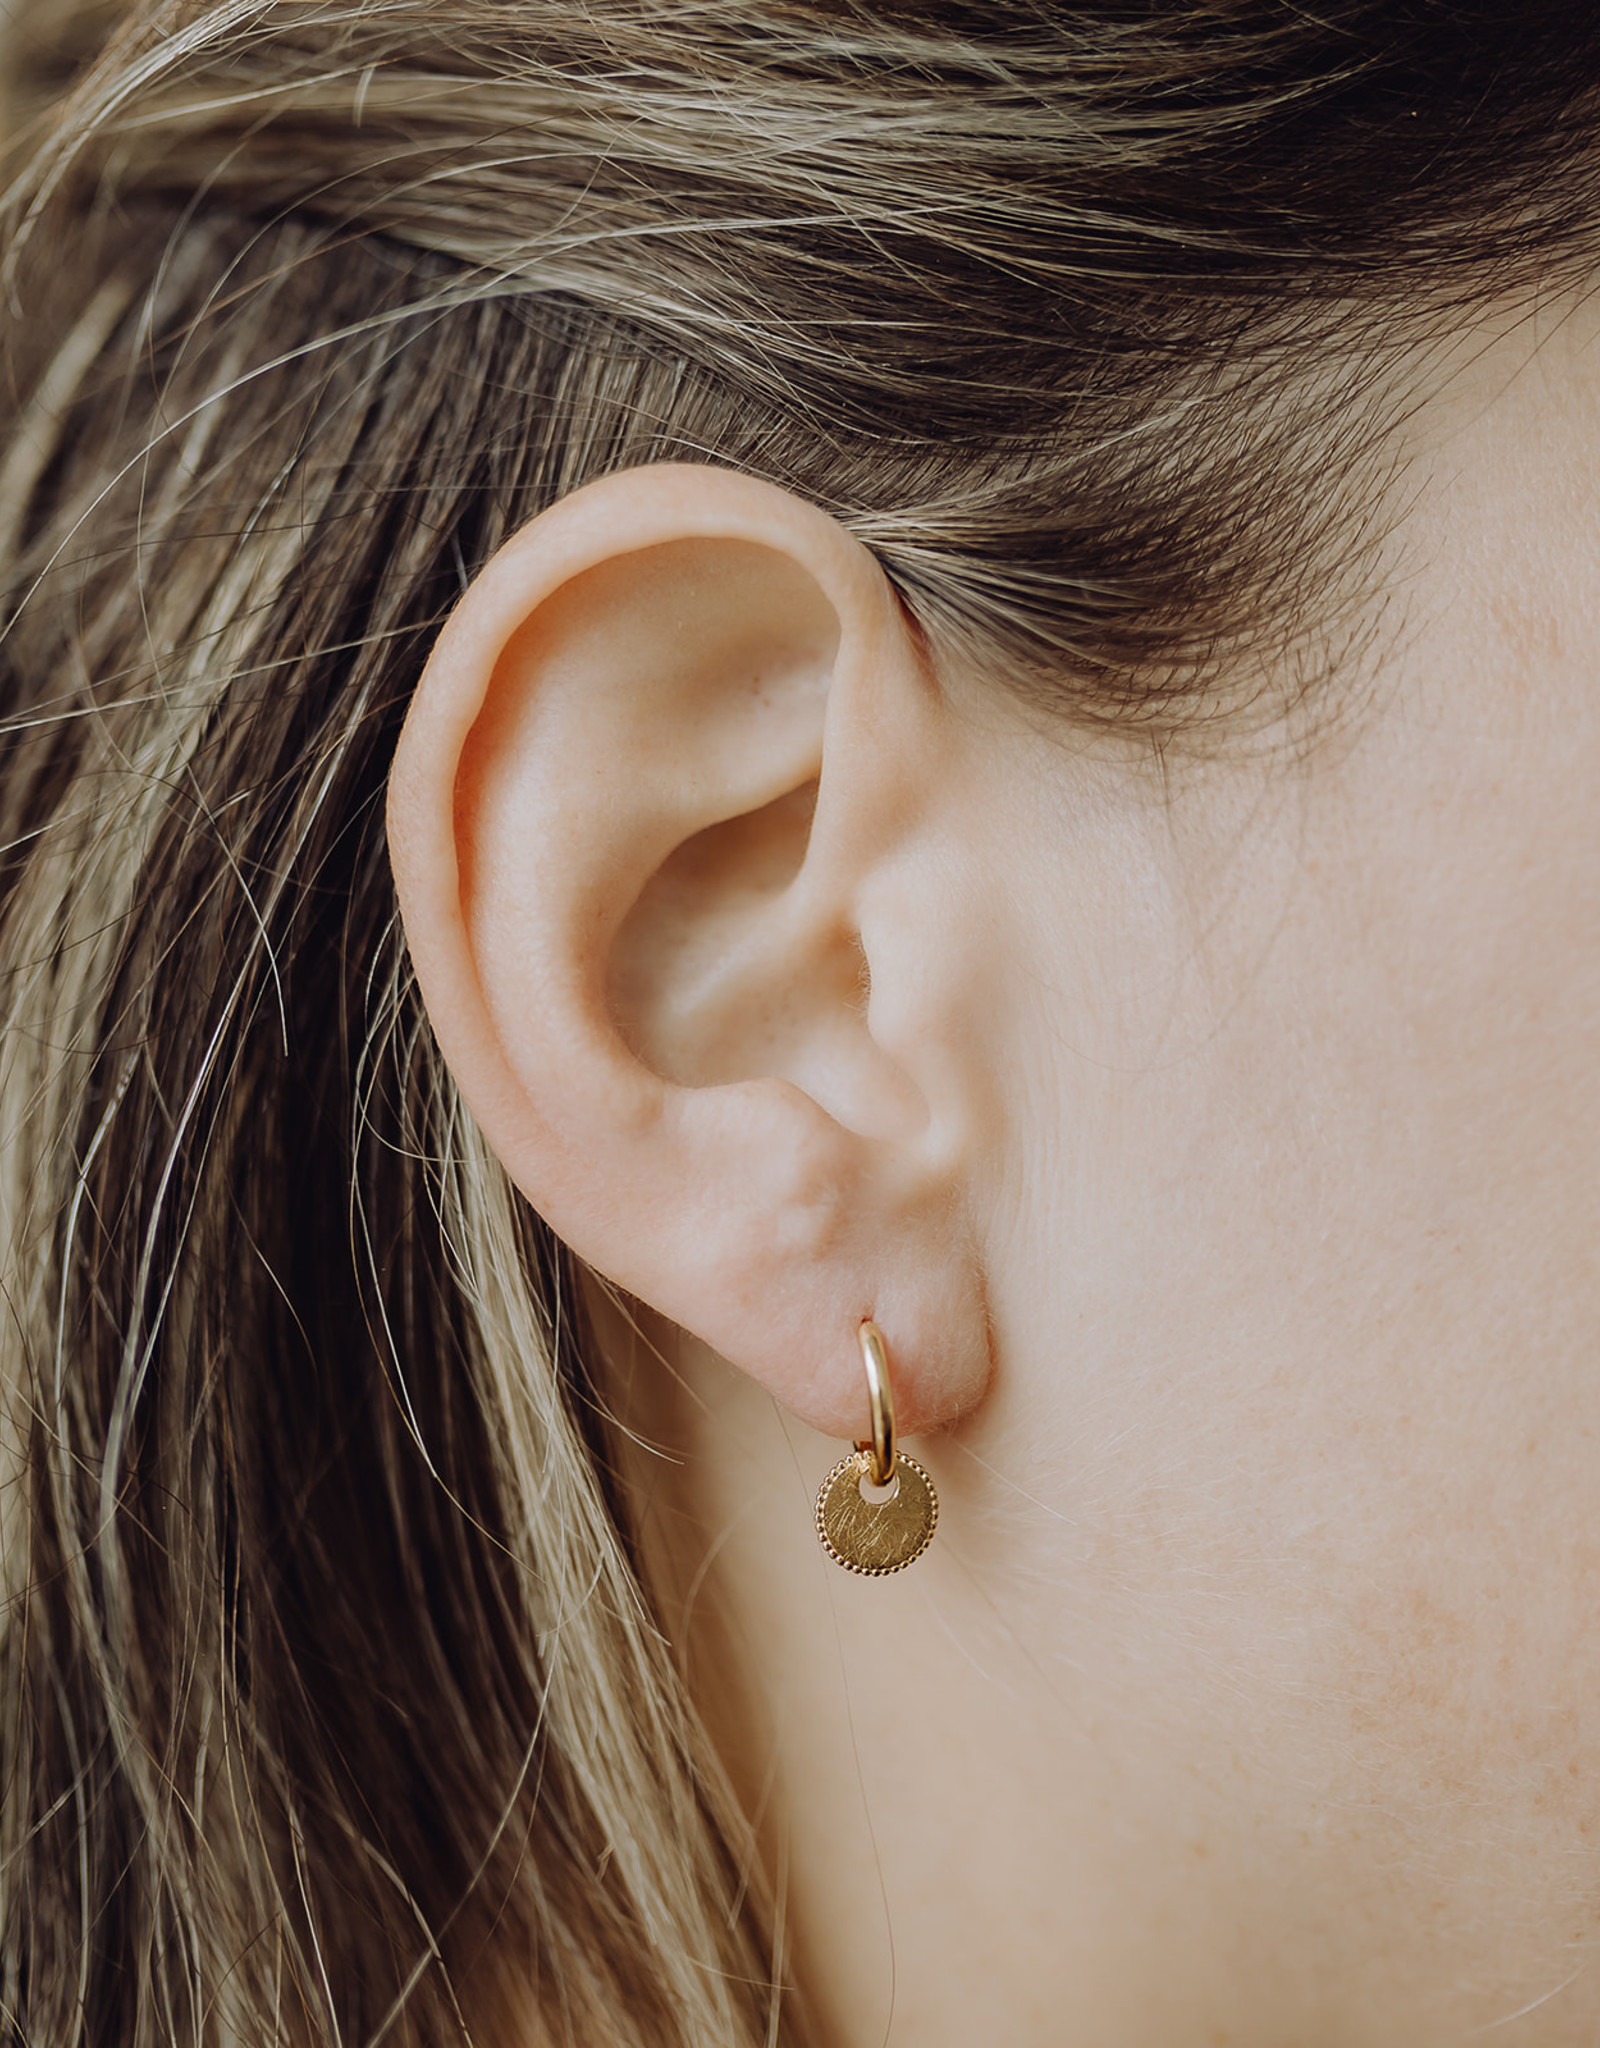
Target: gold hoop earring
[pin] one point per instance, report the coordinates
(885, 1535)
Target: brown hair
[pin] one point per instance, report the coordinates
(332, 1706)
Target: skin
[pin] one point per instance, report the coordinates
(1216, 1150)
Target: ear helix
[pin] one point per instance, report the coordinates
(870, 1536)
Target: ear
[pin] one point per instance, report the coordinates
(655, 821)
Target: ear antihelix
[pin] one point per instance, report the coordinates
(877, 1509)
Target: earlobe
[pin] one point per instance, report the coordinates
(652, 802)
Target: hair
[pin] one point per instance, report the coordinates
(334, 1706)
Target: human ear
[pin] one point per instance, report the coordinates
(654, 820)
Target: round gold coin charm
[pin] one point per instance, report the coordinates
(871, 1536)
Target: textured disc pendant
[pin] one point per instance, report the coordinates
(879, 1536)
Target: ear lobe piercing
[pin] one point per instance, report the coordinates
(870, 1536)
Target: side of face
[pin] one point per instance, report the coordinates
(1295, 1243)
(1217, 1150)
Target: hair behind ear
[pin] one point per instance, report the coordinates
(1112, 417)
(330, 1693)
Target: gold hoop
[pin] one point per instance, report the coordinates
(883, 1534)
(880, 1396)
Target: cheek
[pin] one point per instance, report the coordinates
(1293, 1252)
(1453, 1694)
